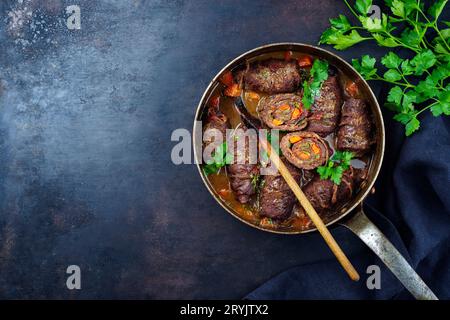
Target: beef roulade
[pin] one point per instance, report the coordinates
(242, 174)
(324, 114)
(355, 128)
(324, 195)
(305, 150)
(276, 198)
(283, 112)
(271, 76)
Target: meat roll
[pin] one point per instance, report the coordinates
(242, 175)
(324, 195)
(355, 128)
(276, 198)
(305, 150)
(324, 114)
(283, 112)
(272, 76)
(215, 119)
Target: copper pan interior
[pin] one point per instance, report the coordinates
(376, 161)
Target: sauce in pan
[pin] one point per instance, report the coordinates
(250, 211)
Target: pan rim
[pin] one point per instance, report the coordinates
(379, 153)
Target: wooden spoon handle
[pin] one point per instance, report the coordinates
(315, 218)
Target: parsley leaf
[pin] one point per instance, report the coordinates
(311, 88)
(423, 61)
(336, 166)
(419, 83)
(340, 40)
(391, 60)
(363, 6)
(366, 66)
(220, 158)
(341, 23)
(392, 75)
(395, 95)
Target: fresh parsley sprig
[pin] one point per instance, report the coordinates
(337, 164)
(419, 83)
(311, 87)
(220, 158)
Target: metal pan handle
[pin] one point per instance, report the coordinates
(383, 248)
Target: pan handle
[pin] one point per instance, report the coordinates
(360, 225)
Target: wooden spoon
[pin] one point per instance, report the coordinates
(309, 209)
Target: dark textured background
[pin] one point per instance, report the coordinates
(85, 174)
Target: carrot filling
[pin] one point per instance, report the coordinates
(304, 155)
(277, 122)
(296, 113)
(294, 139)
(284, 107)
(315, 148)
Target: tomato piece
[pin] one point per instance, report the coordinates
(287, 55)
(233, 90)
(352, 89)
(305, 61)
(227, 79)
(215, 101)
(224, 192)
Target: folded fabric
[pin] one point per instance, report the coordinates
(411, 207)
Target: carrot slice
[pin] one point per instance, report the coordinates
(294, 139)
(305, 61)
(277, 122)
(304, 155)
(233, 90)
(296, 113)
(227, 79)
(284, 107)
(315, 148)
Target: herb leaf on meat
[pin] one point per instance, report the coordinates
(335, 167)
(418, 83)
(220, 158)
(311, 87)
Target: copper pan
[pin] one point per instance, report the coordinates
(352, 215)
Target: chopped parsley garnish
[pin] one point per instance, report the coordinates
(337, 164)
(220, 159)
(311, 88)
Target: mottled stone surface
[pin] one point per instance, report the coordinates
(85, 123)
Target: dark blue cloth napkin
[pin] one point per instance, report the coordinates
(411, 207)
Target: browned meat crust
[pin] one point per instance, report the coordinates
(355, 128)
(324, 114)
(324, 195)
(272, 76)
(305, 150)
(283, 112)
(242, 175)
(276, 198)
(215, 119)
